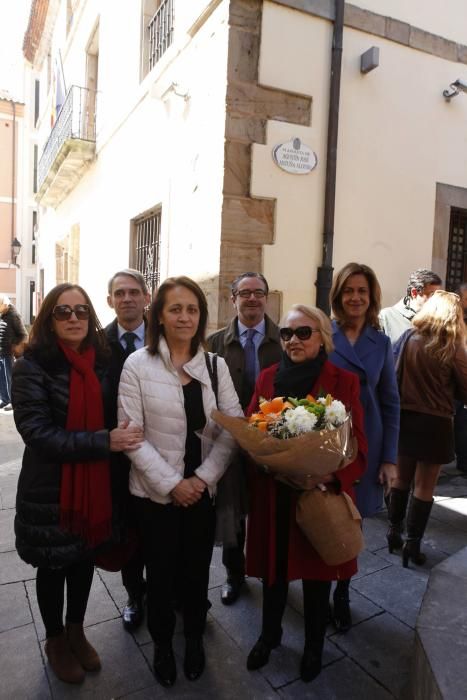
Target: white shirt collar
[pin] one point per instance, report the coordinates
(139, 332)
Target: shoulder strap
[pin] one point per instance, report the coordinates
(212, 370)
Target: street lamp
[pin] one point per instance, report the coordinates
(15, 249)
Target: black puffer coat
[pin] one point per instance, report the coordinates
(12, 331)
(40, 394)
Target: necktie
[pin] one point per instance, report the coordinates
(129, 339)
(250, 356)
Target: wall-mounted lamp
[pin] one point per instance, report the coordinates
(15, 249)
(369, 60)
(455, 88)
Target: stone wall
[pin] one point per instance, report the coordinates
(247, 222)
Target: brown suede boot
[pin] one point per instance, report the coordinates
(63, 662)
(83, 650)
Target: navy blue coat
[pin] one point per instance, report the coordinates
(372, 360)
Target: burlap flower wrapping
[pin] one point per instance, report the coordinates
(316, 453)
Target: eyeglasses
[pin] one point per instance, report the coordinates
(246, 293)
(302, 333)
(63, 312)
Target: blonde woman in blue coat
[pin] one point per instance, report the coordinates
(362, 348)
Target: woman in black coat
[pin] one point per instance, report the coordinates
(63, 505)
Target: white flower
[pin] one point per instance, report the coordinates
(299, 420)
(335, 413)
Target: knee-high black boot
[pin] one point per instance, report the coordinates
(397, 505)
(417, 518)
(315, 609)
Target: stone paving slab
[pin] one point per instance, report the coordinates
(113, 583)
(452, 511)
(382, 647)
(225, 676)
(372, 660)
(7, 534)
(369, 562)
(452, 487)
(12, 568)
(443, 537)
(22, 671)
(395, 590)
(124, 669)
(14, 607)
(343, 679)
(374, 532)
(8, 481)
(243, 623)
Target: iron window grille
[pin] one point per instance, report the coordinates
(145, 252)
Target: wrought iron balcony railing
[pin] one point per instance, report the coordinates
(76, 120)
(160, 30)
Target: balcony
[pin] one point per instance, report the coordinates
(70, 148)
(160, 31)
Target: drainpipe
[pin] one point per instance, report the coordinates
(324, 279)
(13, 175)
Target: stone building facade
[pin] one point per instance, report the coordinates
(158, 152)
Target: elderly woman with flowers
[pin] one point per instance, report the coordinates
(277, 550)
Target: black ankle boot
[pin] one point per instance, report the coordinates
(417, 518)
(397, 505)
(259, 655)
(194, 659)
(310, 665)
(164, 666)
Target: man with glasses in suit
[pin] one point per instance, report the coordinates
(128, 295)
(248, 344)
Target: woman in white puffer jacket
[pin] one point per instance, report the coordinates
(166, 389)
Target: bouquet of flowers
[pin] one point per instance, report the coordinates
(296, 437)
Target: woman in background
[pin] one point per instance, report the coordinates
(432, 373)
(63, 504)
(361, 348)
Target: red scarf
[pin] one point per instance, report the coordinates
(85, 498)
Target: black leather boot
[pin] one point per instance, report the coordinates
(194, 658)
(397, 505)
(315, 609)
(417, 518)
(342, 616)
(259, 655)
(164, 666)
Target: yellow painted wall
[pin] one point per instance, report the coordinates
(397, 138)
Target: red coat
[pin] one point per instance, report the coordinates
(303, 561)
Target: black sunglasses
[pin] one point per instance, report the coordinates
(302, 333)
(63, 312)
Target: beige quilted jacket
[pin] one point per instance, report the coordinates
(151, 396)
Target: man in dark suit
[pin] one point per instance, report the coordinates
(128, 295)
(248, 344)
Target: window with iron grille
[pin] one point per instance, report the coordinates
(158, 28)
(457, 252)
(145, 247)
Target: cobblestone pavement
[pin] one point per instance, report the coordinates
(372, 660)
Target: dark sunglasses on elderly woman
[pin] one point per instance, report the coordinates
(63, 312)
(302, 333)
